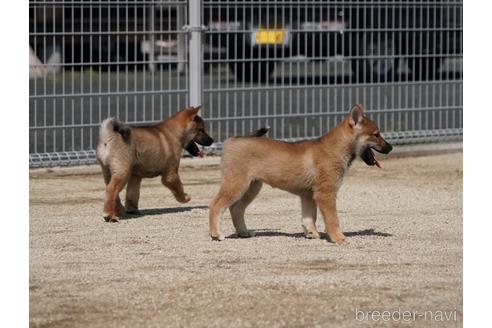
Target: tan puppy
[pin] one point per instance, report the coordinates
(312, 169)
(128, 154)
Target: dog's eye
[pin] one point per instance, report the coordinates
(377, 135)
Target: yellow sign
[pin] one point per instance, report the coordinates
(270, 36)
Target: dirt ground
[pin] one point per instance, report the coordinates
(160, 269)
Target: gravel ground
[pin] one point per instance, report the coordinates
(160, 269)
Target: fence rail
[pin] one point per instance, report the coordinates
(296, 66)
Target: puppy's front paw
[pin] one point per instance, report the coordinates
(310, 230)
(338, 238)
(183, 199)
(312, 235)
(217, 237)
(341, 241)
(110, 218)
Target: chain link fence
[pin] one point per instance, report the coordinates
(296, 66)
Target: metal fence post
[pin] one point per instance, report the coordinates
(195, 52)
(151, 27)
(180, 19)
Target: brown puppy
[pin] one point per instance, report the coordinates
(312, 169)
(128, 154)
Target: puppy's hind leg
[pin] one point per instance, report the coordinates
(133, 194)
(239, 207)
(309, 209)
(107, 178)
(230, 191)
(114, 187)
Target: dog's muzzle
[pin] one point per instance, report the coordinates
(368, 155)
(386, 148)
(204, 140)
(193, 149)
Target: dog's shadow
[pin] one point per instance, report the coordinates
(277, 233)
(161, 211)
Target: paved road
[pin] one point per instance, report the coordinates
(301, 99)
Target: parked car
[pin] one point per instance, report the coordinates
(374, 36)
(252, 36)
(93, 36)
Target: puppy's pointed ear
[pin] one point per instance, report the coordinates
(193, 112)
(356, 114)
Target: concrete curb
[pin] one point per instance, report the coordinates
(214, 161)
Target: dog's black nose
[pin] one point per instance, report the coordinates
(388, 148)
(204, 140)
(209, 142)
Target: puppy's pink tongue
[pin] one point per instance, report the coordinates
(200, 153)
(376, 162)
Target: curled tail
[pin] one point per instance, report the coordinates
(110, 125)
(256, 134)
(260, 132)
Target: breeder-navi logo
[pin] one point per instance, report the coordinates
(405, 315)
